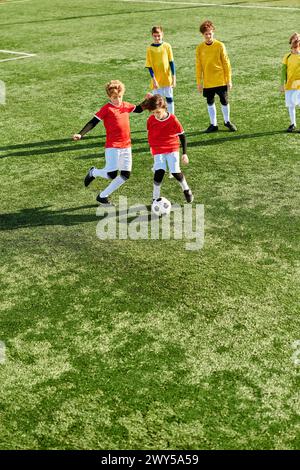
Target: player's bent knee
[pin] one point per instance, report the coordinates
(210, 101)
(178, 176)
(158, 176)
(224, 101)
(125, 175)
(112, 174)
(169, 99)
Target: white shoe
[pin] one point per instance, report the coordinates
(171, 176)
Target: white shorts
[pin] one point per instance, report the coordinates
(292, 98)
(162, 159)
(118, 159)
(166, 91)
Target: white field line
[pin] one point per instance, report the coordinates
(13, 1)
(253, 7)
(21, 55)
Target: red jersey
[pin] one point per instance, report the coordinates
(116, 123)
(163, 135)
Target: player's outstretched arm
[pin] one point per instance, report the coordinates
(90, 125)
(143, 105)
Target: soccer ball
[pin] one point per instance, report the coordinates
(161, 206)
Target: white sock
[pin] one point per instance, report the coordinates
(226, 112)
(113, 186)
(184, 184)
(171, 107)
(156, 190)
(212, 114)
(102, 173)
(292, 113)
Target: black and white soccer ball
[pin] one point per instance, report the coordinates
(161, 206)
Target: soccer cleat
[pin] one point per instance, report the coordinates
(211, 128)
(230, 126)
(104, 201)
(188, 195)
(89, 177)
(291, 128)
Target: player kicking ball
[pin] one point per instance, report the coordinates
(118, 157)
(165, 133)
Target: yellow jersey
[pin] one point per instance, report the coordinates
(292, 63)
(159, 58)
(212, 65)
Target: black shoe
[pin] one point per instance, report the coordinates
(231, 127)
(211, 128)
(89, 178)
(104, 201)
(291, 128)
(188, 195)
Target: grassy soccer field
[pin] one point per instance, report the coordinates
(142, 344)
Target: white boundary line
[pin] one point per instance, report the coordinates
(253, 7)
(14, 1)
(22, 55)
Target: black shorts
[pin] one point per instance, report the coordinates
(221, 91)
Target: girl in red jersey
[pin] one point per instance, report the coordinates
(165, 133)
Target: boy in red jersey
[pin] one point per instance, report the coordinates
(115, 117)
(164, 136)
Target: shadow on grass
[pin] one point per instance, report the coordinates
(44, 143)
(27, 150)
(44, 215)
(54, 142)
(98, 143)
(231, 138)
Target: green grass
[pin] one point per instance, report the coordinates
(126, 344)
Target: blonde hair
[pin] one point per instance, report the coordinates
(115, 87)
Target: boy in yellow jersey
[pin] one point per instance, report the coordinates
(160, 63)
(213, 72)
(290, 79)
